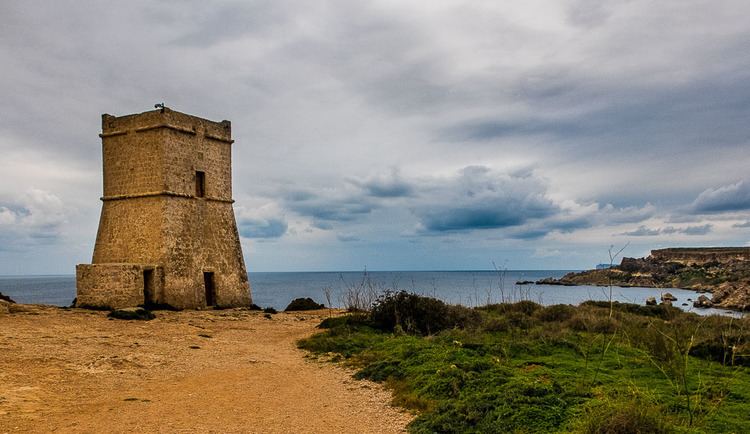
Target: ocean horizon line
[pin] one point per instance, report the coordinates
(349, 271)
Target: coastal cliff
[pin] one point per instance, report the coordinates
(724, 272)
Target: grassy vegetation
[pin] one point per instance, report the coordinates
(527, 368)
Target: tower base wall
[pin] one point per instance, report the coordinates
(114, 286)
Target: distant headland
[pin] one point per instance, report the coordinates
(722, 271)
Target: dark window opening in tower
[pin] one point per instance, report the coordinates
(200, 184)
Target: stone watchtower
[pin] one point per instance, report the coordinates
(167, 233)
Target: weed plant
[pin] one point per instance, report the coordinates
(522, 367)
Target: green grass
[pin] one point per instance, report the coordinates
(525, 368)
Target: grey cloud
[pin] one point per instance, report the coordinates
(567, 224)
(644, 231)
(742, 225)
(386, 186)
(529, 234)
(347, 237)
(384, 59)
(324, 209)
(696, 230)
(479, 198)
(679, 217)
(589, 13)
(213, 23)
(733, 197)
(609, 215)
(567, 221)
(350, 201)
(641, 118)
(262, 228)
(489, 130)
(299, 195)
(326, 226)
(475, 198)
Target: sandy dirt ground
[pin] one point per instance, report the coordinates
(193, 371)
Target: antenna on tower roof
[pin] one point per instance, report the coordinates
(161, 106)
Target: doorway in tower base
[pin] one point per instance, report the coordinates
(210, 287)
(148, 287)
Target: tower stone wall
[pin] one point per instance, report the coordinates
(167, 214)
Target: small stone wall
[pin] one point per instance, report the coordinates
(115, 285)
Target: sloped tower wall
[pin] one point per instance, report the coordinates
(167, 211)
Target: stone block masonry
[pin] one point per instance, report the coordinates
(167, 232)
(117, 285)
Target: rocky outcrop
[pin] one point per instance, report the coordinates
(6, 298)
(10, 306)
(724, 272)
(702, 255)
(703, 302)
(732, 294)
(668, 297)
(299, 304)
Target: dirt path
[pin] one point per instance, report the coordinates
(212, 371)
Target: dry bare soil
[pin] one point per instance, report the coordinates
(193, 371)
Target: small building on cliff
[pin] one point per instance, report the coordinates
(167, 232)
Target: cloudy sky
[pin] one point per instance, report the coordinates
(394, 134)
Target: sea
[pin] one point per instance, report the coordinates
(336, 289)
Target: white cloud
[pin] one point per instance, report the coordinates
(34, 215)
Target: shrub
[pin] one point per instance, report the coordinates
(592, 320)
(519, 320)
(721, 339)
(525, 307)
(269, 309)
(255, 307)
(419, 315)
(496, 324)
(556, 313)
(6, 298)
(303, 304)
(662, 311)
(352, 319)
(626, 418)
